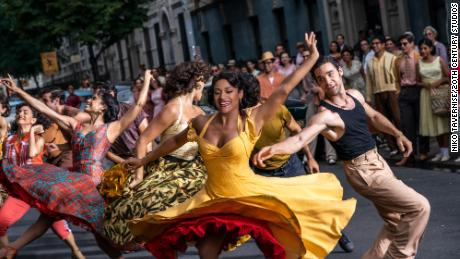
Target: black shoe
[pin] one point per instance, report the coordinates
(346, 244)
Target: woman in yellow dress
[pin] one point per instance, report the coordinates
(289, 217)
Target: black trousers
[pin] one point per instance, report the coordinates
(409, 106)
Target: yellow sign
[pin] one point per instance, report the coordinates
(50, 63)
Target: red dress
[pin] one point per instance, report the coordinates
(60, 193)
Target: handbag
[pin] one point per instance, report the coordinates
(440, 100)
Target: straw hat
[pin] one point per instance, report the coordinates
(231, 63)
(267, 55)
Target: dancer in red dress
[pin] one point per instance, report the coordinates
(26, 147)
(71, 195)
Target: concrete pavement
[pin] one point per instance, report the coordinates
(440, 241)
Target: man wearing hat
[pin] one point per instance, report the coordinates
(231, 65)
(269, 80)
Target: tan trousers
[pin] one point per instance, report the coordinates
(404, 211)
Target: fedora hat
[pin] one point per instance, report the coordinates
(267, 55)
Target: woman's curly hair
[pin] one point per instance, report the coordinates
(111, 113)
(182, 79)
(243, 82)
(41, 118)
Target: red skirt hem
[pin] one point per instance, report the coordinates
(16, 190)
(177, 237)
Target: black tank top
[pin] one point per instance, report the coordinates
(357, 138)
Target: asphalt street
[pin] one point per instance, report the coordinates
(440, 241)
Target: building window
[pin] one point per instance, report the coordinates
(183, 37)
(228, 38)
(207, 45)
(254, 20)
(161, 57)
(281, 26)
(148, 47)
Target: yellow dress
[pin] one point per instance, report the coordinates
(305, 214)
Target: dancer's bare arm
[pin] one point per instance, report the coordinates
(160, 123)
(36, 143)
(117, 127)
(295, 128)
(267, 110)
(381, 123)
(65, 122)
(165, 148)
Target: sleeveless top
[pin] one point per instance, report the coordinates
(89, 151)
(188, 151)
(357, 138)
(18, 153)
(430, 72)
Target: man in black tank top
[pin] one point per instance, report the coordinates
(342, 119)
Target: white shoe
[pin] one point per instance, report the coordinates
(457, 160)
(436, 158)
(394, 152)
(445, 158)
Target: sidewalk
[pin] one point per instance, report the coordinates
(448, 166)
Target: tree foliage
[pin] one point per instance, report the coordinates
(38, 25)
(20, 48)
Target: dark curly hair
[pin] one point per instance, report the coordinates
(111, 113)
(41, 119)
(182, 78)
(6, 105)
(323, 60)
(242, 81)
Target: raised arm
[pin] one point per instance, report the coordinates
(165, 148)
(65, 122)
(36, 143)
(117, 127)
(381, 123)
(267, 110)
(160, 123)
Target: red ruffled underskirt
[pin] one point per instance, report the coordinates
(177, 237)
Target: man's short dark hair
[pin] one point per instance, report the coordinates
(323, 60)
(381, 38)
(406, 36)
(46, 90)
(58, 94)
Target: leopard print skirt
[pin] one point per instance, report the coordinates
(167, 182)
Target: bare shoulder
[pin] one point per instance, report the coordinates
(171, 109)
(197, 110)
(199, 122)
(356, 94)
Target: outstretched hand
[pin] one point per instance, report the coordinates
(9, 84)
(310, 40)
(264, 154)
